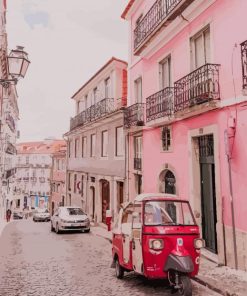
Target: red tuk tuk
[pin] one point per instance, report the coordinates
(156, 236)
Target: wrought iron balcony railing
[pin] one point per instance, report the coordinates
(134, 115)
(198, 87)
(137, 163)
(162, 12)
(93, 113)
(244, 63)
(160, 104)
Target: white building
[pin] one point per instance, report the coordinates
(96, 150)
(33, 173)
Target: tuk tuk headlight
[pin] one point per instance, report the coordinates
(156, 244)
(199, 243)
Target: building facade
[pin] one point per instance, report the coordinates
(9, 114)
(96, 151)
(58, 178)
(33, 173)
(187, 89)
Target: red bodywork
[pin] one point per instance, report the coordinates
(154, 261)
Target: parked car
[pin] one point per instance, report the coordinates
(41, 215)
(70, 218)
(17, 215)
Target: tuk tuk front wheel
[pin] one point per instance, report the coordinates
(119, 269)
(185, 286)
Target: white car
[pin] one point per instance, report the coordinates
(41, 215)
(70, 218)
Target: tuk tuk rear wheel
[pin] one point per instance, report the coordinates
(185, 288)
(119, 269)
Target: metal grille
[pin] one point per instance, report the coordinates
(206, 146)
(134, 115)
(198, 87)
(160, 104)
(244, 63)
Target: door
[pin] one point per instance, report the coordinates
(208, 194)
(126, 232)
(105, 187)
(137, 259)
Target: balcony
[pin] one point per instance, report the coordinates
(158, 16)
(198, 87)
(137, 164)
(160, 104)
(134, 115)
(244, 63)
(96, 111)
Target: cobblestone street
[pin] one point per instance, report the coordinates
(37, 262)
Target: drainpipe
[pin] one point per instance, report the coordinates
(231, 193)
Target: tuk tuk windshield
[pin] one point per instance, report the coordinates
(168, 213)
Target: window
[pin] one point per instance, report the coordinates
(86, 101)
(69, 148)
(76, 147)
(75, 181)
(27, 159)
(92, 145)
(104, 144)
(200, 48)
(83, 146)
(69, 181)
(165, 72)
(138, 90)
(108, 88)
(95, 95)
(138, 183)
(166, 138)
(138, 153)
(119, 141)
(82, 185)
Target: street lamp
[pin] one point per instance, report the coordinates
(18, 63)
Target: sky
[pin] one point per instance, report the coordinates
(67, 42)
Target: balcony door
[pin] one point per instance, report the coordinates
(200, 48)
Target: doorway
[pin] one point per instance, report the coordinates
(105, 194)
(208, 193)
(92, 203)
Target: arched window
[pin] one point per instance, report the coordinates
(170, 182)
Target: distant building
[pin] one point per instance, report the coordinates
(33, 173)
(58, 178)
(96, 150)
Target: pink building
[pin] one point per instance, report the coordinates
(58, 177)
(187, 117)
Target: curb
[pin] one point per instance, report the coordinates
(196, 279)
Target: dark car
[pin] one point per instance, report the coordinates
(17, 215)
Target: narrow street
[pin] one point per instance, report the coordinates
(37, 262)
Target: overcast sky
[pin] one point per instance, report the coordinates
(67, 42)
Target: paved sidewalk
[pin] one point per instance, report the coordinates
(3, 223)
(224, 280)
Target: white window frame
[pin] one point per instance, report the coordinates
(84, 146)
(92, 145)
(162, 63)
(138, 90)
(119, 151)
(77, 147)
(207, 56)
(138, 146)
(104, 143)
(108, 87)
